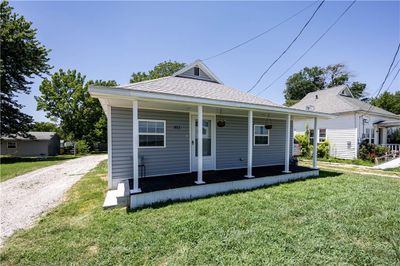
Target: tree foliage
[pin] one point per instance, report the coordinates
(65, 97)
(388, 101)
(315, 78)
(163, 69)
(44, 127)
(22, 58)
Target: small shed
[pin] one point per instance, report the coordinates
(37, 144)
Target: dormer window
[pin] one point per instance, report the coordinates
(196, 71)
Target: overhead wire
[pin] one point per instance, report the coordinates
(312, 46)
(261, 34)
(288, 47)
(386, 76)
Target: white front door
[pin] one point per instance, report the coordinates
(209, 131)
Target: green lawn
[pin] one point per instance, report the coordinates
(14, 166)
(335, 219)
(347, 161)
(397, 170)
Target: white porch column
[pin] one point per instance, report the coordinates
(199, 145)
(384, 135)
(287, 144)
(250, 145)
(315, 143)
(135, 124)
(376, 135)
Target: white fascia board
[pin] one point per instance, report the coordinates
(105, 92)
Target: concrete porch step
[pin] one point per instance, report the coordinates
(118, 197)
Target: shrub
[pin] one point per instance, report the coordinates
(82, 147)
(369, 151)
(323, 149)
(304, 144)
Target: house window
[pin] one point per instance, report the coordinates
(369, 135)
(196, 71)
(11, 145)
(151, 133)
(311, 135)
(322, 134)
(261, 135)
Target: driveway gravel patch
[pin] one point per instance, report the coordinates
(24, 198)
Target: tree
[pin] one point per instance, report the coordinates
(22, 58)
(163, 69)
(65, 98)
(300, 84)
(44, 127)
(316, 78)
(388, 101)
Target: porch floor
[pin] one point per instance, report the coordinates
(156, 183)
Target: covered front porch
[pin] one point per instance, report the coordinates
(243, 146)
(160, 189)
(384, 136)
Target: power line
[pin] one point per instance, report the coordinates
(394, 78)
(387, 74)
(262, 33)
(312, 46)
(287, 48)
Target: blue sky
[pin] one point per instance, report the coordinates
(110, 40)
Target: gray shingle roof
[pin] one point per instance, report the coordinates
(331, 101)
(36, 136)
(197, 88)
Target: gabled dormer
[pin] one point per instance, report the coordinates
(197, 70)
(346, 92)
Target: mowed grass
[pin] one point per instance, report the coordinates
(335, 219)
(14, 166)
(337, 160)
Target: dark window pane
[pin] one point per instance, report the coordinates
(151, 140)
(261, 140)
(196, 71)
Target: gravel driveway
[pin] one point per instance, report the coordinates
(24, 198)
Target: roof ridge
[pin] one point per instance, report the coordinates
(141, 82)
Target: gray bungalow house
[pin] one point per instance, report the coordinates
(155, 154)
(38, 144)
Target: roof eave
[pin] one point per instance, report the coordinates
(107, 92)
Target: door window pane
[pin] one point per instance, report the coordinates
(206, 138)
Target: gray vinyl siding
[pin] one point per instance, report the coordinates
(231, 144)
(174, 158)
(54, 145)
(26, 148)
(190, 74)
(274, 153)
(121, 135)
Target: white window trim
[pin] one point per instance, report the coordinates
(11, 142)
(260, 135)
(319, 135)
(311, 139)
(156, 134)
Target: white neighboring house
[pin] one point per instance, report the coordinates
(356, 121)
